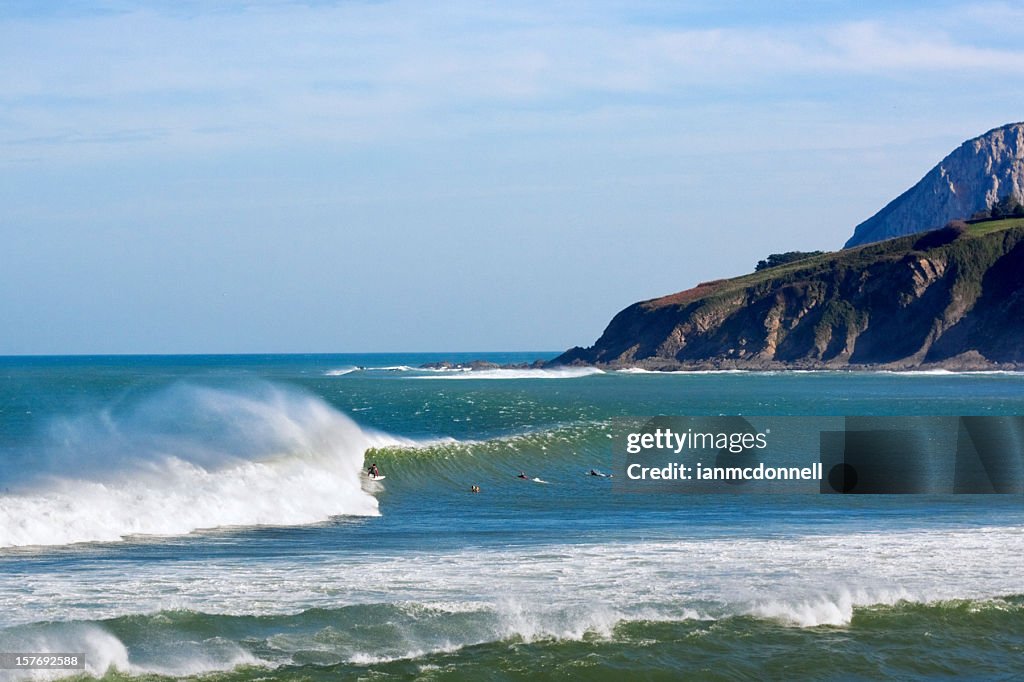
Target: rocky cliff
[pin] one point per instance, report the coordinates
(971, 179)
(950, 298)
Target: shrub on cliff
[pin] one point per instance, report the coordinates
(777, 259)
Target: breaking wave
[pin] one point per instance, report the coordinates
(349, 639)
(186, 458)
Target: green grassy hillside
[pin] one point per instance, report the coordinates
(947, 296)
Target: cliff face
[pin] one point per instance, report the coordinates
(973, 178)
(944, 298)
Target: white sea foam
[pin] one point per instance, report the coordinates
(553, 373)
(187, 458)
(774, 372)
(409, 368)
(446, 600)
(827, 609)
(807, 581)
(366, 658)
(951, 373)
(658, 372)
(342, 371)
(440, 369)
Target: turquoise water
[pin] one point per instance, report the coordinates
(202, 516)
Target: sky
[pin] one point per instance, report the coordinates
(250, 177)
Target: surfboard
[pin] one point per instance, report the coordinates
(376, 478)
(537, 480)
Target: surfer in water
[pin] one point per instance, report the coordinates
(522, 475)
(373, 471)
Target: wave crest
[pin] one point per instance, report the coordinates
(186, 458)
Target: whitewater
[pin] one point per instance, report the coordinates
(186, 458)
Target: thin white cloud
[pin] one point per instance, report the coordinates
(402, 70)
(871, 47)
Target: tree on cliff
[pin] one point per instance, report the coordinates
(1007, 207)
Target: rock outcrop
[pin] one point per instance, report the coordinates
(952, 298)
(973, 178)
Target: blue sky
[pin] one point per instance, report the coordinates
(385, 176)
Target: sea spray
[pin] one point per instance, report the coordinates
(185, 458)
(102, 647)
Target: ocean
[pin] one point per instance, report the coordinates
(207, 517)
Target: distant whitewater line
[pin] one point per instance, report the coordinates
(837, 371)
(392, 368)
(470, 373)
(641, 370)
(552, 373)
(573, 372)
